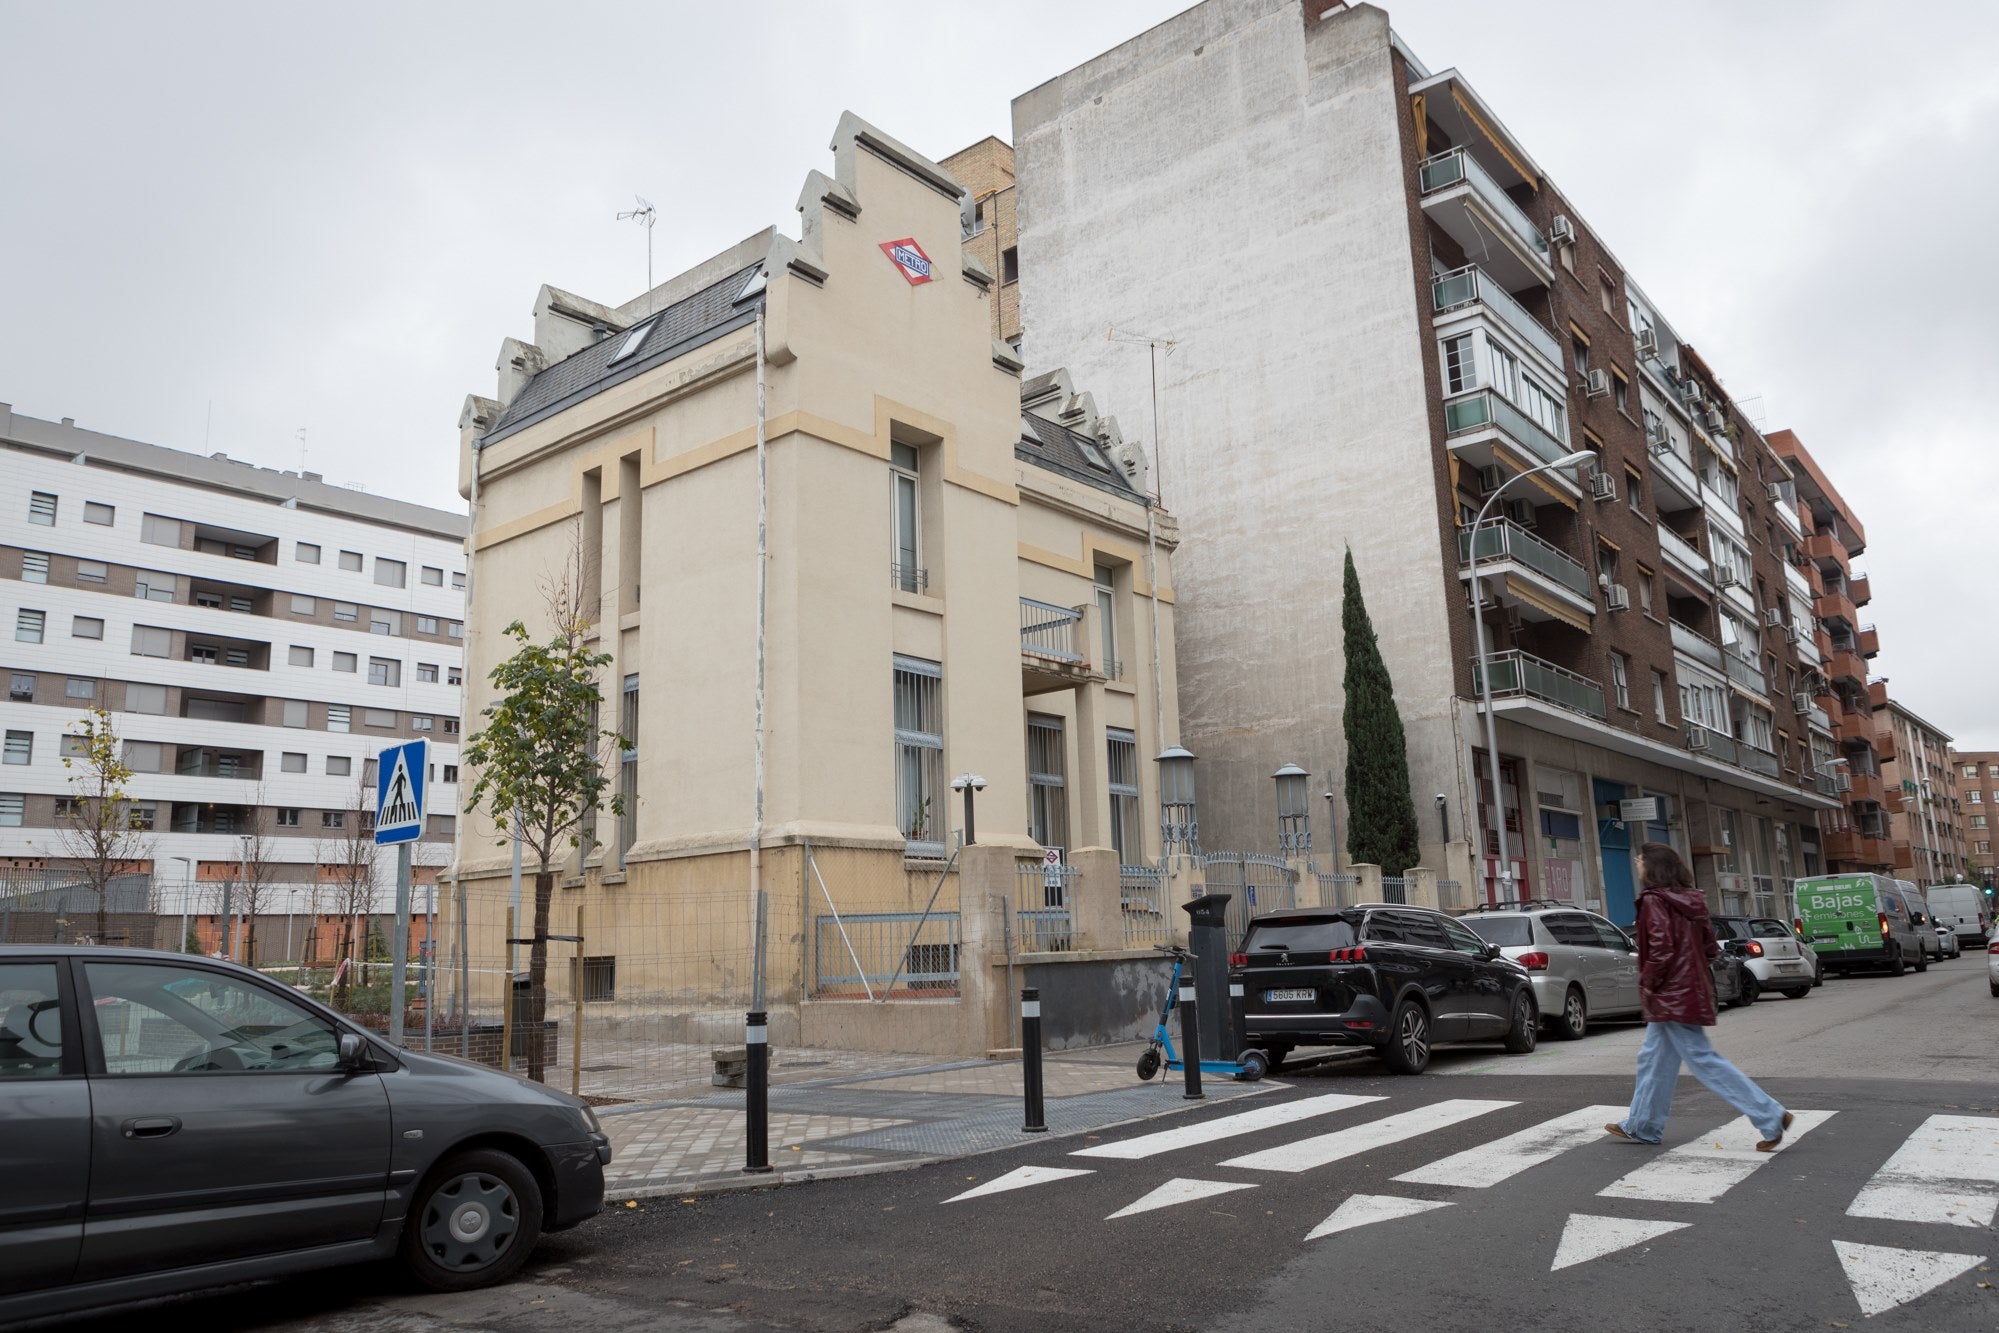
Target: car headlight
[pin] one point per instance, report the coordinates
(589, 1120)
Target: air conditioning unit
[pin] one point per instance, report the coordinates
(1647, 343)
(1661, 448)
(1715, 420)
(1773, 616)
(1775, 490)
(1725, 577)
(1599, 383)
(1792, 634)
(1842, 782)
(1491, 477)
(1697, 738)
(1602, 486)
(1802, 702)
(1655, 431)
(1521, 512)
(1562, 231)
(1617, 597)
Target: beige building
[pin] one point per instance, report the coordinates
(964, 575)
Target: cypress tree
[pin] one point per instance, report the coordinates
(1381, 818)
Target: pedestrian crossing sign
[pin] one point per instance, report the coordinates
(399, 790)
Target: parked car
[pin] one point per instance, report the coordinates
(176, 1122)
(1992, 963)
(1947, 945)
(1857, 922)
(1581, 966)
(1396, 979)
(1962, 907)
(1770, 954)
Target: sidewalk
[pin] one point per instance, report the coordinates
(882, 1119)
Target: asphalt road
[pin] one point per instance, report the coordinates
(1544, 1224)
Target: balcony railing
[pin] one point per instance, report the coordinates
(908, 578)
(1714, 744)
(1746, 674)
(1675, 547)
(1485, 408)
(1053, 632)
(1826, 782)
(1515, 674)
(1504, 539)
(1471, 285)
(1454, 166)
(1755, 760)
(1696, 645)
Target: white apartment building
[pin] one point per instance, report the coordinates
(256, 636)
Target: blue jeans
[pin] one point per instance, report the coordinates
(1666, 1045)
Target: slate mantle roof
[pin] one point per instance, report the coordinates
(1051, 445)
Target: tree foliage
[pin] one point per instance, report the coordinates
(97, 829)
(1381, 816)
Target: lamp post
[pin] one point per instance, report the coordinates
(291, 915)
(243, 869)
(1332, 827)
(186, 892)
(1178, 826)
(968, 783)
(1575, 459)
(1294, 811)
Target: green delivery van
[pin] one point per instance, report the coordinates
(1861, 922)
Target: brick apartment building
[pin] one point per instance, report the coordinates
(986, 171)
(1978, 788)
(1925, 801)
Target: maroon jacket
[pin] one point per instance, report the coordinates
(1675, 944)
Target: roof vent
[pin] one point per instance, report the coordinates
(597, 331)
(69, 421)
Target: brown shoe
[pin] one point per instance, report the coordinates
(1616, 1131)
(1770, 1145)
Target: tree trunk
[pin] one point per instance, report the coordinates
(103, 911)
(544, 895)
(343, 946)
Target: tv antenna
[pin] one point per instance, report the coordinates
(645, 215)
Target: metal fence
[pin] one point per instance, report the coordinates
(1451, 896)
(62, 906)
(1394, 889)
(1254, 882)
(1338, 890)
(879, 927)
(1041, 921)
(1142, 899)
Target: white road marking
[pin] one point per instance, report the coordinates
(1502, 1159)
(1019, 1178)
(1228, 1126)
(1947, 1171)
(1180, 1190)
(1883, 1278)
(1366, 1209)
(1586, 1237)
(1707, 1168)
(1321, 1149)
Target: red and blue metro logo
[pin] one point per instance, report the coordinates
(908, 256)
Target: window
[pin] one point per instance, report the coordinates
(1645, 577)
(454, 675)
(1975, 797)
(1127, 829)
(418, 722)
(385, 671)
(146, 699)
(28, 1003)
(1047, 799)
(13, 808)
(450, 773)
(294, 762)
(633, 341)
(351, 561)
(1460, 368)
(287, 817)
(384, 622)
(380, 718)
(152, 586)
(20, 747)
(599, 979)
(100, 514)
(80, 687)
(426, 673)
(41, 509)
(345, 662)
(458, 579)
(1505, 370)
(346, 611)
(299, 656)
(1977, 821)
(919, 753)
(74, 747)
(391, 573)
(1607, 296)
(1659, 695)
(304, 606)
(204, 653)
(454, 629)
(1620, 390)
(159, 530)
(1634, 491)
(90, 627)
(1105, 587)
(370, 771)
(1010, 264)
(21, 687)
(433, 576)
(339, 766)
(628, 764)
(306, 553)
(1579, 348)
(151, 1015)
(426, 624)
(151, 641)
(451, 726)
(1620, 671)
(34, 567)
(28, 625)
(339, 717)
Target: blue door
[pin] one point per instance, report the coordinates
(1620, 899)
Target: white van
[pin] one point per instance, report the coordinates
(1962, 908)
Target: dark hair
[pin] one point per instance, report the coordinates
(1659, 866)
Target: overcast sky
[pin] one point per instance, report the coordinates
(222, 223)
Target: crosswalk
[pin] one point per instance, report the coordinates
(1945, 1172)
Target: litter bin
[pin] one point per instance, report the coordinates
(1208, 937)
(523, 989)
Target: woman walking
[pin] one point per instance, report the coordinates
(1676, 996)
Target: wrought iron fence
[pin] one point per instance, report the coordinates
(1142, 899)
(1394, 889)
(1041, 908)
(1050, 631)
(1255, 883)
(1338, 890)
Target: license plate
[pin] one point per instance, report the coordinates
(1790, 967)
(1288, 996)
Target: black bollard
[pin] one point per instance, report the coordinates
(756, 1083)
(1030, 1060)
(1238, 1040)
(1190, 1039)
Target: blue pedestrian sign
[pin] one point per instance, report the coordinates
(399, 789)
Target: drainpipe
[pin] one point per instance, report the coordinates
(763, 583)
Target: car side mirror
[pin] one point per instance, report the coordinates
(352, 1052)
(1492, 951)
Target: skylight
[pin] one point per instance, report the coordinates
(632, 342)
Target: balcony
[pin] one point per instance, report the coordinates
(1866, 787)
(1845, 664)
(1860, 588)
(1877, 693)
(1513, 560)
(1696, 645)
(1466, 202)
(1518, 675)
(1755, 760)
(1472, 289)
(1825, 550)
(1857, 847)
(1674, 484)
(1901, 852)
(1835, 605)
(1870, 641)
(1747, 674)
(1825, 782)
(1684, 556)
(1714, 744)
(1051, 647)
(1483, 416)
(1884, 745)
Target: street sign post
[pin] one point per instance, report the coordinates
(402, 777)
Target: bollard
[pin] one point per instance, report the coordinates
(1190, 1040)
(1238, 1039)
(1030, 1060)
(756, 1081)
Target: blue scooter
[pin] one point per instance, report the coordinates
(1251, 1066)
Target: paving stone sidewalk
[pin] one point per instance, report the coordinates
(882, 1118)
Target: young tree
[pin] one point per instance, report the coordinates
(254, 888)
(1381, 817)
(349, 858)
(97, 830)
(540, 771)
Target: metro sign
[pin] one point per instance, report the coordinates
(908, 256)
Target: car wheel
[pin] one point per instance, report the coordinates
(474, 1222)
(1748, 990)
(1818, 973)
(1895, 965)
(1797, 992)
(1922, 961)
(1574, 1021)
(1995, 989)
(1255, 1064)
(1521, 1032)
(1148, 1064)
(1408, 1048)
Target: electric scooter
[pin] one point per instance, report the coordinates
(1251, 1066)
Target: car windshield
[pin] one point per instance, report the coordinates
(1299, 936)
(1770, 930)
(1508, 932)
(1727, 929)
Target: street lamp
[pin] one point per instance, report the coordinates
(186, 893)
(1575, 459)
(291, 917)
(1178, 826)
(1332, 824)
(968, 783)
(1294, 811)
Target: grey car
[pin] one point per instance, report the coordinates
(172, 1123)
(1582, 966)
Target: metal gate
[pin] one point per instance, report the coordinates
(1254, 882)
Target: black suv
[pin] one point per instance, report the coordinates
(1398, 979)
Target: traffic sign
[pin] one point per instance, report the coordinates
(400, 772)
